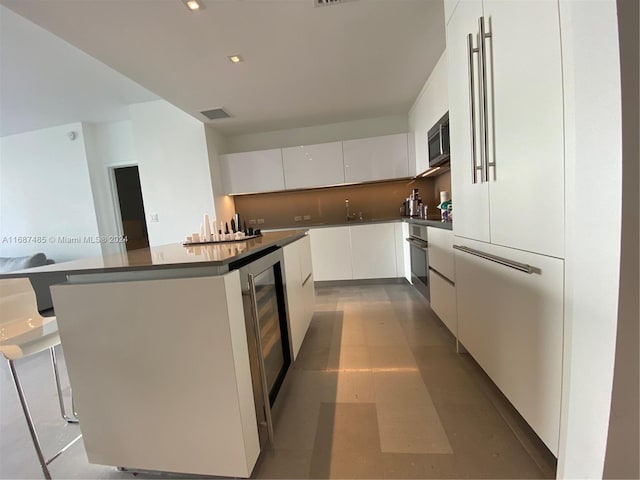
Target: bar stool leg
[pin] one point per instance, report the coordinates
(56, 374)
(27, 415)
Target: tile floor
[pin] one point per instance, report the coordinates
(378, 391)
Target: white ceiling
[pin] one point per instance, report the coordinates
(302, 65)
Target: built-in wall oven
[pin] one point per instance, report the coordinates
(266, 320)
(419, 248)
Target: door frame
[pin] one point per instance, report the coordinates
(115, 199)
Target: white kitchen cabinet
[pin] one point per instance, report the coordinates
(518, 198)
(470, 200)
(443, 300)
(441, 256)
(442, 276)
(136, 350)
(373, 251)
(376, 158)
(300, 290)
(511, 322)
(313, 165)
(251, 172)
(331, 253)
(356, 252)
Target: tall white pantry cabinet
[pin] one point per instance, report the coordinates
(507, 151)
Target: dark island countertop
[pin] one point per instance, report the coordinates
(175, 255)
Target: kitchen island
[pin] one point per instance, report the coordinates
(161, 356)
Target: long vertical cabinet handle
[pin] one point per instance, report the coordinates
(472, 107)
(262, 369)
(482, 36)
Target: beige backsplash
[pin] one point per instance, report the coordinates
(327, 205)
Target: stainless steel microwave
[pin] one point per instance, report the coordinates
(438, 138)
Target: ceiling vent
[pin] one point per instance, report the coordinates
(215, 114)
(324, 3)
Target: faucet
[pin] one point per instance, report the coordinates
(351, 216)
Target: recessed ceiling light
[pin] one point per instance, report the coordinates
(235, 58)
(192, 4)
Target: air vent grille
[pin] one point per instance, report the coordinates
(325, 3)
(215, 114)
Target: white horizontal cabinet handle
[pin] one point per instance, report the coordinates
(523, 267)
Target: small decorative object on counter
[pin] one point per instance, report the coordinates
(445, 206)
(208, 233)
(207, 227)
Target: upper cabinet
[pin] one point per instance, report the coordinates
(319, 165)
(250, 172)
(313, 165)
(506, 114)
(376, 158)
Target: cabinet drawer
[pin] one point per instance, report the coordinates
(441, 256)
(443, 300)
(511, 322)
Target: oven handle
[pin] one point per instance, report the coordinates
(418, 243)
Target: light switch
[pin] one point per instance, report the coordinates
(153, 218)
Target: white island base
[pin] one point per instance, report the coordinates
(161, 375)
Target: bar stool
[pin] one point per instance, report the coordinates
(24, 332)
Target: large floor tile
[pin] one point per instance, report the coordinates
(347, 442)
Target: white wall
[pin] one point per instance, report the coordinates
(107, 145)
(173, 161)
(593, 206)
(45, 191)
(370, 127)
(429, 107)
(224, 204)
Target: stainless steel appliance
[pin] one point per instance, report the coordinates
(419, 248)
(266, 320)
(438, 139)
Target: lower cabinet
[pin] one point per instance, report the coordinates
(511, 322)
(373, 251)
(300, 290)
(443, 300)
(357, 252)
(331, 253)
(442, 277)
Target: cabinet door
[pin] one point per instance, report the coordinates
(470, 200)
(376, 158)
(511, 322)
(331, 253)
(249, 172)
(373, 252)
(313, 165)
(295, 300)
(525, 99)
(443, 300)
(441, 252)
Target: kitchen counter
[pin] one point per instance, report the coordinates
(431, 223)
(171, 256)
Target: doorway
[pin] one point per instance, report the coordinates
(131, 206)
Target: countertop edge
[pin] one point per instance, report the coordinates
(58, 269)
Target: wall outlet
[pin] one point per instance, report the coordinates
(297, 218)
(252, 221)
(260, 221)
(153, 218)
(307, 217)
